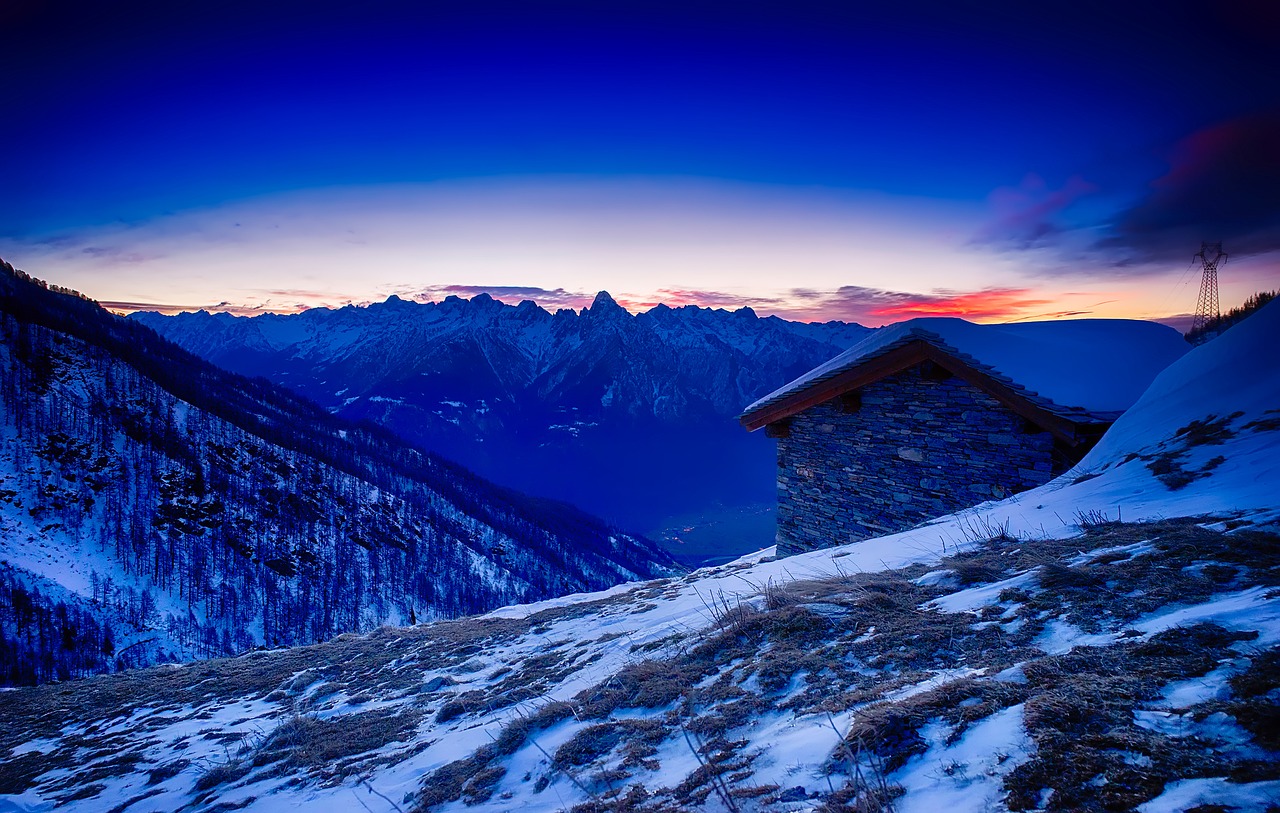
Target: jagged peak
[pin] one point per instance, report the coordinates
(604, 304)
(394, 302)
(530, 310)
(603, 299)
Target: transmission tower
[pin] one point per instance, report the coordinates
(1210, 256)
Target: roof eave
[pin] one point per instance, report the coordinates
(1066, 428)
(822, 390)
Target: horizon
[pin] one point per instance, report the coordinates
(125, 309)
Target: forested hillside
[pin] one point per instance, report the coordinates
(155, 507)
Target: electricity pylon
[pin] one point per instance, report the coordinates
(1207, 312)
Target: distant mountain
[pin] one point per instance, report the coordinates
(631, 416)
(154, 506)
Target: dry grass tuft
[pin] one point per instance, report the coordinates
(1080, 714)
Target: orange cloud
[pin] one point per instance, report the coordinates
(991, 303)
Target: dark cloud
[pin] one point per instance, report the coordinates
(1223, 184)
(117, 254)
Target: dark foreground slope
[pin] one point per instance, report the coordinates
(153, 506)
(1011, 677)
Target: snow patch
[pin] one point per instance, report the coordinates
(966, 776)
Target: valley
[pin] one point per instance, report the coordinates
(630, 417)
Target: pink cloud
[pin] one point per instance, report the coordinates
(876, 306)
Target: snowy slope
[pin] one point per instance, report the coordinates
(1027, 654)
(1236, 372)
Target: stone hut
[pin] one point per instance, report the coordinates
(930, 416)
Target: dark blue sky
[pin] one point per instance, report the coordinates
(128, 111)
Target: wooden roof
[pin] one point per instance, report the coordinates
(1069, 426)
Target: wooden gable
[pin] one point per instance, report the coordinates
(941, 363)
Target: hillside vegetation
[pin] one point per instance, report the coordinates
(1219, 323)
(154, 507)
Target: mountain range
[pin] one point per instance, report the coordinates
(630, 416)
(155, 507)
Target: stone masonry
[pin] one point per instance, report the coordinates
(913, 449)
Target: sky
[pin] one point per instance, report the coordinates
(814, 160)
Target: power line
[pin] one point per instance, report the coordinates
(1176, 290)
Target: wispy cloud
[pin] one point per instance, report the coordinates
(1027, 216)
(222, 307)
(679, 297)
(550, 298)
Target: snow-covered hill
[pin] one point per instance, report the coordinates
(1105, 642)
(628, 416)
(154, 507)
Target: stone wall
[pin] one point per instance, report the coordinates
(915, 448)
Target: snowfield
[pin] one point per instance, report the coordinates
(1107, 641)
